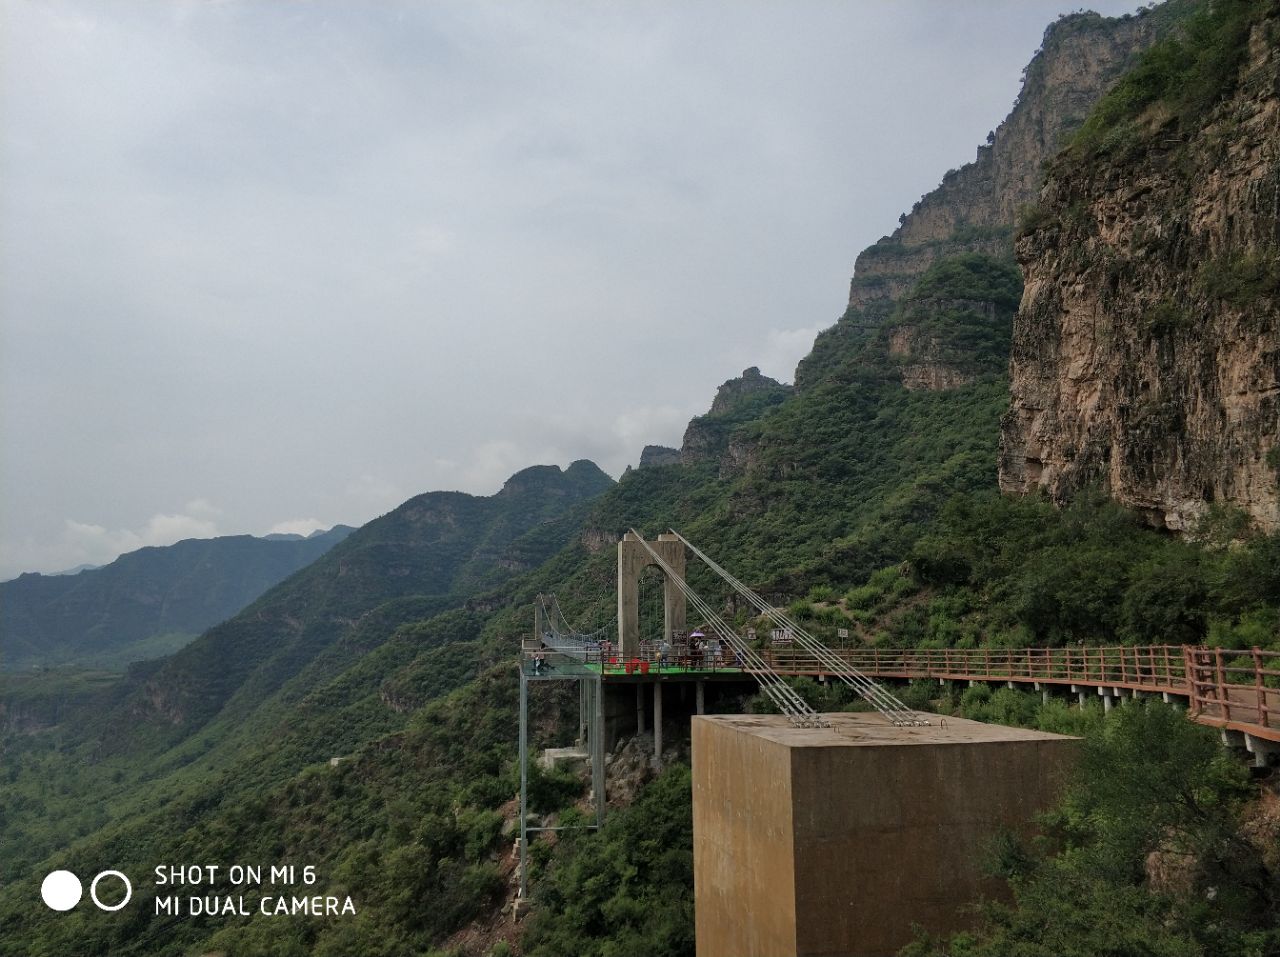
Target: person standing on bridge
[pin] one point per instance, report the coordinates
(713, 652)
(664, 652)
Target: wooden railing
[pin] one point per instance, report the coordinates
(1158, 668)
(1235, 689)
(1224, 687)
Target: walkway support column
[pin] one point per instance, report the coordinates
(657, 721)
(524, 785)
(700, 692)
(639, 709)
(597, 736)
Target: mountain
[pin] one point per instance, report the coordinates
(84, 567)
(437, 551)
(147, 603)
(1147, 357)
(975, 208)
(865, 499)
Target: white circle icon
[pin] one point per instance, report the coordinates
(61, 890)
(93, 890)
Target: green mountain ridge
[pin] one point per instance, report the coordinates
(146, 603)
(435, 551)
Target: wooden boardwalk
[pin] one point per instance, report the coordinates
(1231, 689)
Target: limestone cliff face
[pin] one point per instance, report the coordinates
(738, 400)
(1146, 351)
(924, 360)
(975, 207)
(655, 455)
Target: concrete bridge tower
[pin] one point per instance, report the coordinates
(633, 559)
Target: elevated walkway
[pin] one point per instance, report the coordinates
(1235, 690)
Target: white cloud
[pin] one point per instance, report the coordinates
(652, 425)
(297, 526)
(167, 529)
(89, 543)
(203, 508)
(492, 463)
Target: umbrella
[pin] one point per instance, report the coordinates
(696, 634)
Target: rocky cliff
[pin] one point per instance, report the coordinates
(1146, 352)
(655, 455)
(738, 400)
(974, 208)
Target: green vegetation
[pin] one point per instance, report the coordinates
(1242, 277)
(1021, 573)
(1158, 859)
(972, 276)
(1185, 74)
(627, 890)
(145, 604)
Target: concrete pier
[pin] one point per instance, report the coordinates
(818, 842)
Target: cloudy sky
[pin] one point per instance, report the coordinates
(272, 266)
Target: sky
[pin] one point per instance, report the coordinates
(273, 266)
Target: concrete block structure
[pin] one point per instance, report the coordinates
(833, 842)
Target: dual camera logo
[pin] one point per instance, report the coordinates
(62, 890)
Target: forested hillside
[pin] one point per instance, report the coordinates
(866, 498)
(147, 603)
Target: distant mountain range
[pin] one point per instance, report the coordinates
(147, 603)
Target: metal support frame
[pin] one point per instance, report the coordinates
(591, 732)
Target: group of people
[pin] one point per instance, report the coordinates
(700, 651)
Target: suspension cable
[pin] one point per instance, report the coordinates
(875, 694)
(788, 700)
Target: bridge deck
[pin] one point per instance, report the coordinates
(1238, 690)
(1233, 689)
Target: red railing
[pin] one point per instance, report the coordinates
(1225, 688)
(1235, 688)
(1155, 668)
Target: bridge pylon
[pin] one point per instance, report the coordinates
(633, 559)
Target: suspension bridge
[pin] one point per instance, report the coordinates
(1237, 691)
(898, 792)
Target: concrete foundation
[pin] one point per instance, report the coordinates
(833, 842)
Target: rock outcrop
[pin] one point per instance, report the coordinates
(1146, 352)
(737, 401)
(654, 455)
(733, 393)
(927, 360)
(975, 207)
